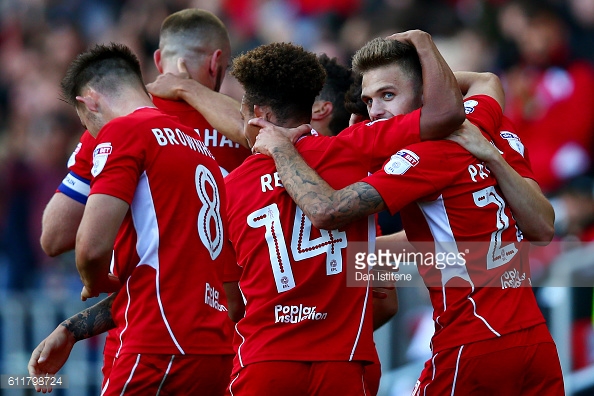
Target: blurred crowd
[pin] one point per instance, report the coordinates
(543, 50)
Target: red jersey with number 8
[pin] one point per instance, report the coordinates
(170, 249)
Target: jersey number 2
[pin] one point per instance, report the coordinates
(499, 254)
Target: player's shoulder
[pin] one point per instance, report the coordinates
(252, 164)
(434, 155)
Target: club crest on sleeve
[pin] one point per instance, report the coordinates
(100, 155)
(400, 162)
(72, 159)
(469, 106)
(514, 141)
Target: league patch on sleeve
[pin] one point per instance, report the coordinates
(100, 155)
(514, 141)
(469, 106)
(72, 159)
(400, 162)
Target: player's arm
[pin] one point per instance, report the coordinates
(325, 207)
(472, 83)
(51, 354)
(94, 243)
(531, 209)
(234, 301)
(442, 111)
(221, 111)
(59, 224)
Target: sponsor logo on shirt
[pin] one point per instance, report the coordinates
(211, 298)
(469, 106)
(512, 279)
(400, 162)
(100, 155)
(296, 313)
(514, 141)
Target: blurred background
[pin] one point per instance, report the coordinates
(542, 50)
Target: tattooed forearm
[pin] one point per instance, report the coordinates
(91, 321)
(324, 206)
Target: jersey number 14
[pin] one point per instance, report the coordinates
(303, 247)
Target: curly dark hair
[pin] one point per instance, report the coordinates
(283, 76)
(105, 68)
(338, 80)
(352, 100)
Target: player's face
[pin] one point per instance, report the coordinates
(388, 92)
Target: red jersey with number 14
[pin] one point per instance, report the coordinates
(298, 306)
(170, 249)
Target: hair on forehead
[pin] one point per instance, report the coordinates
(381, 52)
(195, 28)
(283, 76)
(106, 68)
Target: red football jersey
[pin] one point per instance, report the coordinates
(169, 264)
(228, 154)
(298, 305)
(475, 267)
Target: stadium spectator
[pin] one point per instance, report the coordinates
(542, 89)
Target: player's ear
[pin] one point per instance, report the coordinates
(215, 59)
(263, 112)
(157, 58)
(321, 109)
(90, 99)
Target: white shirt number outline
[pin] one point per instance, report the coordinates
(498, 254)
(210, 211)
(302, 246)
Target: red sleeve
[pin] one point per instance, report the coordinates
(82, 157)
(376, 141)
(484, 112)
(118, 160)
(514, 151)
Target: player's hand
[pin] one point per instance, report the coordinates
(272, 136)
(109, 285)
(470, 137)
(413, 37)
(168, 85)
(50, 355)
